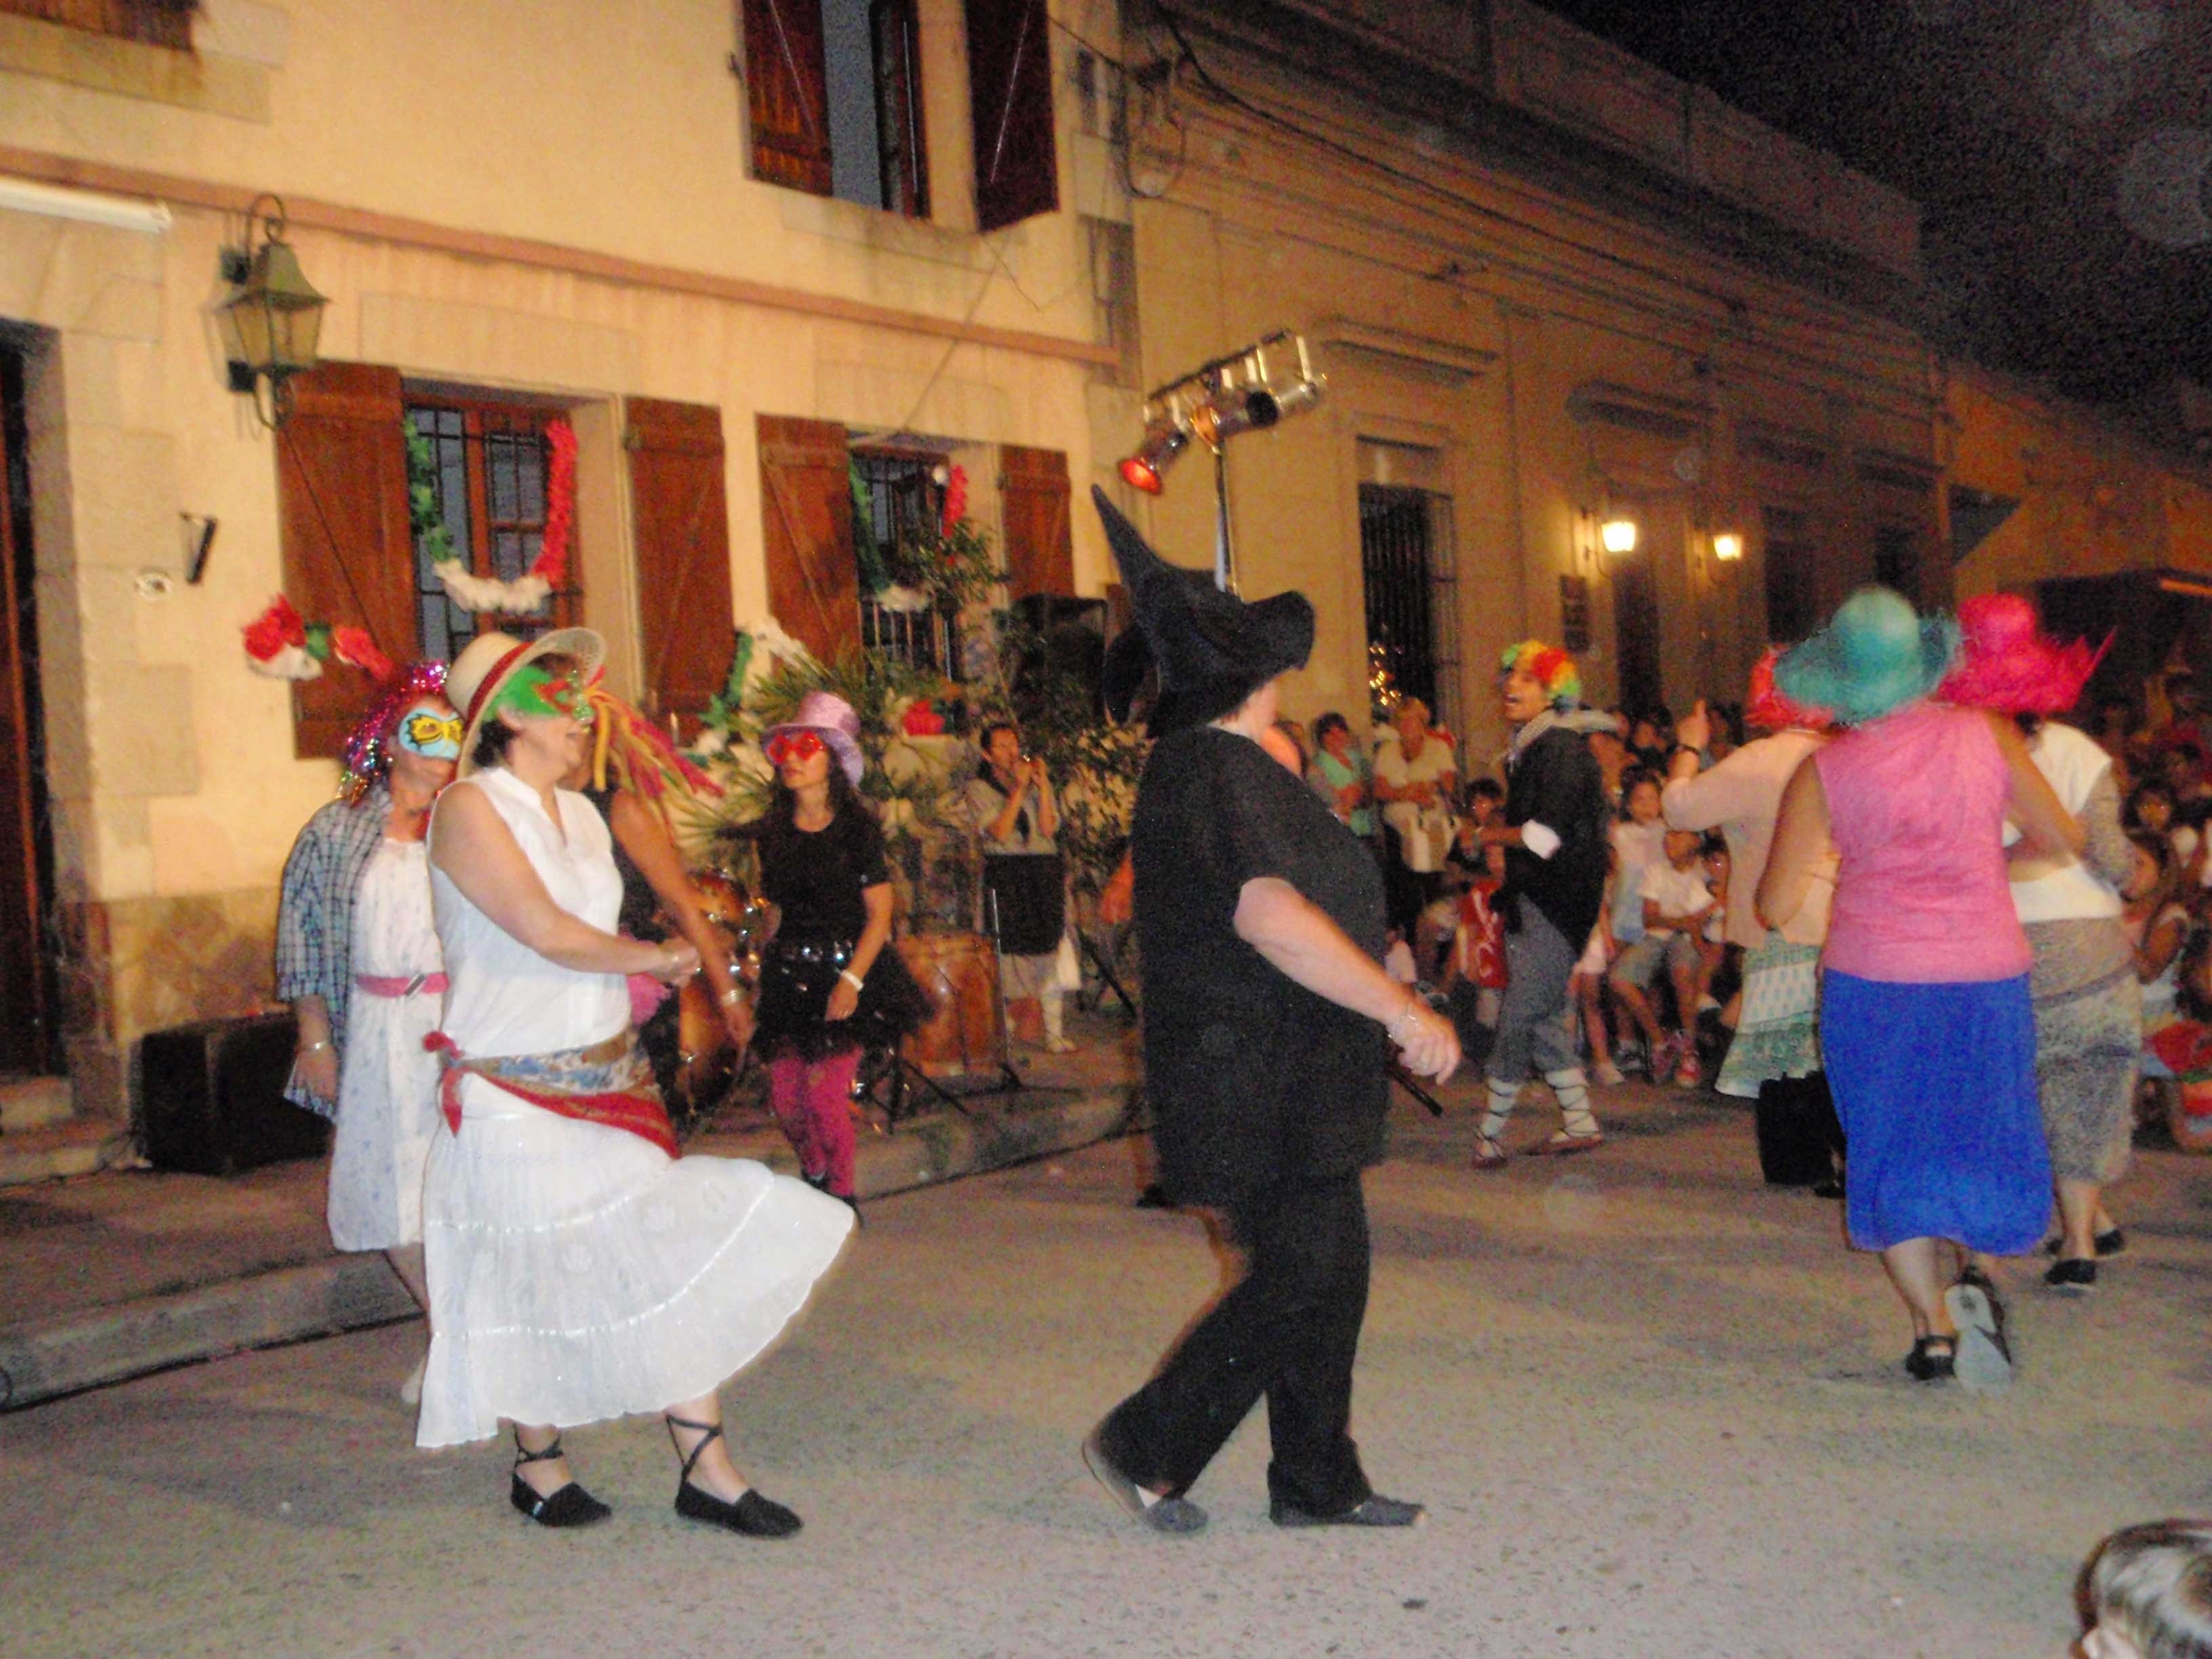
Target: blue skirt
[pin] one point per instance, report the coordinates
(1935, 1086)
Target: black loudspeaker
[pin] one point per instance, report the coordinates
(212, 1094)
(1065, 653)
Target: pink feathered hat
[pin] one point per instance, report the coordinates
(1766, 708)
(2007, 665)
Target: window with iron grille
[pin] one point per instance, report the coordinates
(1405, 555)
(491, 466)
(1897, 559)
(901, 500)
(1793, 604)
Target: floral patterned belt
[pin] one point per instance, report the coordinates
(608, 1083)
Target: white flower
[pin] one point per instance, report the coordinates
(291, 663)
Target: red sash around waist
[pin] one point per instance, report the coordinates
(608, 1083)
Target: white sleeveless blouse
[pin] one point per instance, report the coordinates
(501, 996)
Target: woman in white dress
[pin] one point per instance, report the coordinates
(360, 964)
(578, 1270)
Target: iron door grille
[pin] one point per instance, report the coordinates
(1407, 572)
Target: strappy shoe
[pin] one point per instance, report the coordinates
(571, 1506)
(1933, 1359)
(752, 1515)
(1488, 1154)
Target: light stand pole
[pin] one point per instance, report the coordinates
(1224, 558)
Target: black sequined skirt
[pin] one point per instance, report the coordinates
(797, 976)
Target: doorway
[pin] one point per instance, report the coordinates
(28, 990)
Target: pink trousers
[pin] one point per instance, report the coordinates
(812, 1102)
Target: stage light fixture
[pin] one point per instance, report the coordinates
(1163, 445)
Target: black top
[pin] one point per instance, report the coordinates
(1555, 782)
(815, 878)
(1252, 1079)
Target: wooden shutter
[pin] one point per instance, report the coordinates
(349, 550)
(787, 91)
(1010, 87)
(681, 511)
(806, 503)
(1034, 491)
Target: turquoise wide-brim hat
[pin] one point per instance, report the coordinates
(1875, 655)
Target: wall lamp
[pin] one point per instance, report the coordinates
(1728, 545)
(1617, 534)
(273, 317)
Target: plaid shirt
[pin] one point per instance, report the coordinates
(315, 916)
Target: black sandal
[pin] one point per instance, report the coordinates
(571, 1506)
(1925, 1364)
(754, 1516)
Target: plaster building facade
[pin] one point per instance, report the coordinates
(738, 246)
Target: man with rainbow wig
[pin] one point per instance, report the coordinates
(1553, 831)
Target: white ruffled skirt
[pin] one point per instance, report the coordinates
(577, 1272)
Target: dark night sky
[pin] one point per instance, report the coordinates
(2059, 149)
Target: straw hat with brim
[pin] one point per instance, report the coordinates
(831, 719)
(1875, 655)
(490, 661)
(2006, 662)
(1212, 649)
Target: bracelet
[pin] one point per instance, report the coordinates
(733, 996)
(1412, 1002)
(310, 1048)
(851, 979)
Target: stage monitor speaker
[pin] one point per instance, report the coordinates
(1069, 651)
(212, 1094)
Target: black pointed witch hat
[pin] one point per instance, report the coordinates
(1212, 649)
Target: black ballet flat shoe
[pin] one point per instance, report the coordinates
(571, 1506)
(2110, 1241)
(752, 1515)
(2071, 1274)
(1925, 1363)
(1374, 1511)
(1177, 1516)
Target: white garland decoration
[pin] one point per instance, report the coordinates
(519, 598)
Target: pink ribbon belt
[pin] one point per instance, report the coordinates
(380, 985)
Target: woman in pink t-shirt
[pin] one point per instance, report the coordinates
(1925, 1020)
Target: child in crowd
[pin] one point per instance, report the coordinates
(1477, 966)
(2150, 809)
(2158, 926)
(1639, 843)
(1466, 861)
(2146, 1592)
(1586, 985)
(1676, 899)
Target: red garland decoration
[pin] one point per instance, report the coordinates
(353, 646)
(956, 500)
(273, 630)
(552, 561)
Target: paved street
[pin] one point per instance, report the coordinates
(1655, 1409)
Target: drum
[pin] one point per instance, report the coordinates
(1028, 891)
(964, 1036)
(706, 1061)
